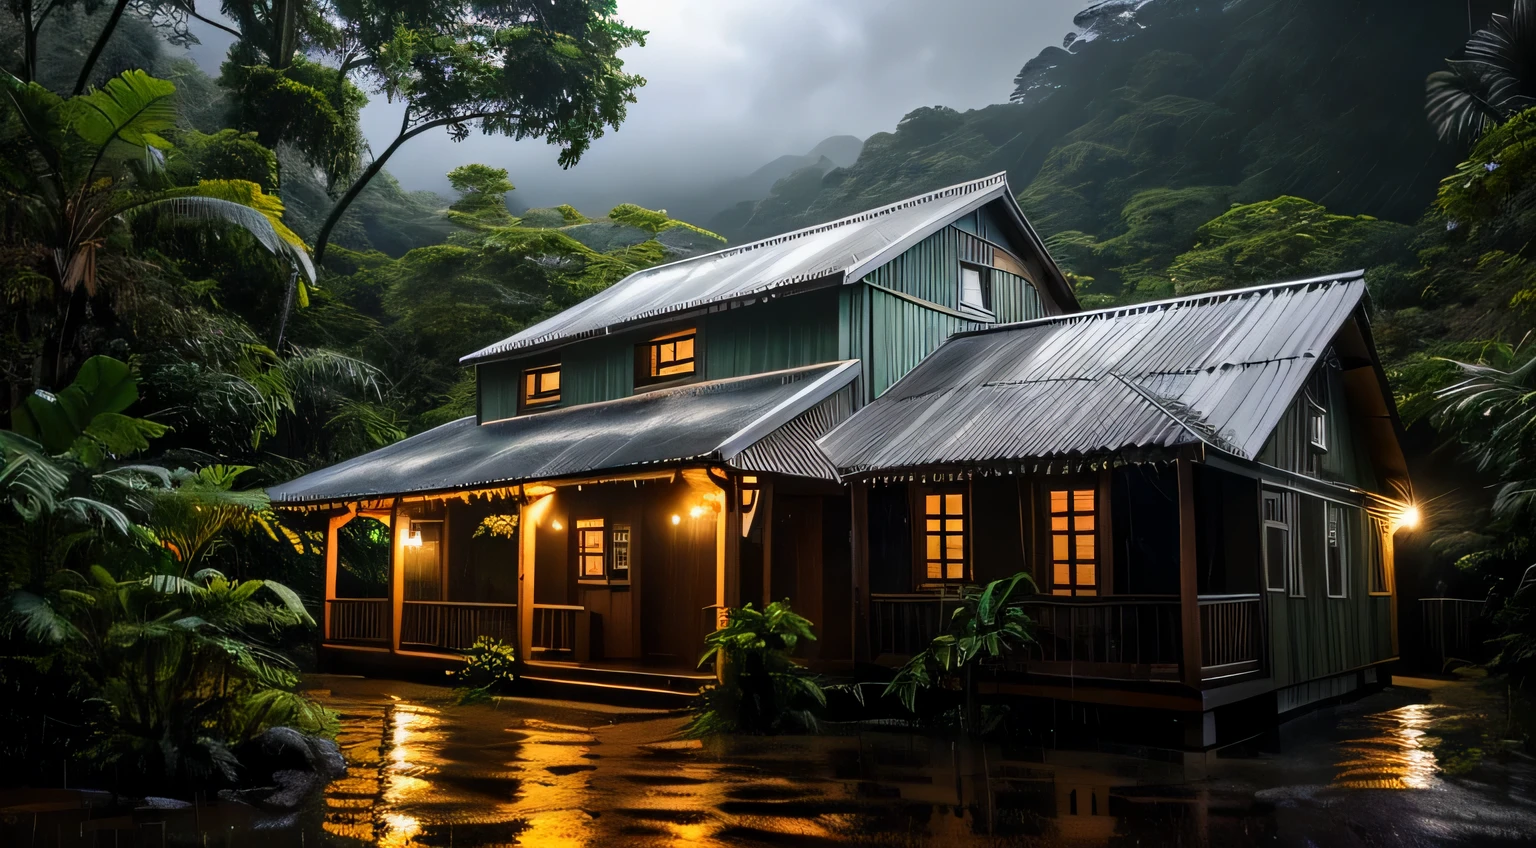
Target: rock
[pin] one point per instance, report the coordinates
(280, 749)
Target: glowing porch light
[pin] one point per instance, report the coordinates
(1409, 517)
(557, 525)
(678, 519)
(696, 512)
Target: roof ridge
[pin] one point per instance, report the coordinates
(1223, 294)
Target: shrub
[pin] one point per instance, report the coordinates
(761, 689)
(489, 669)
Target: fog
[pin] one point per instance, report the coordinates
(732, 85)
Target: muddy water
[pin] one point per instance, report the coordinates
(426, 773)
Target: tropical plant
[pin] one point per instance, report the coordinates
(1491, 412)
(1495, 80)
(761, 689)
(987, 624)
(176, 665)
(75, 172)
(490, 668)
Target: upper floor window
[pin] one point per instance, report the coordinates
(1317, 425)
(945, 514)
(668, 357)
(541, 386)
(1074, 549)
(1277, 542)
(976, 287)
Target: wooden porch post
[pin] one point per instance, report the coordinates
(1189, 585)
(860, 572)
(526, 536)
(333, 526)
(765, 508)
(728, 551)
(396, 574)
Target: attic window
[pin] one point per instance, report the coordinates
(976, 287)
(541, 386)
(669, 357)
(1317, 426)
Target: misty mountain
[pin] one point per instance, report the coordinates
(703, 203)
(1163, 113)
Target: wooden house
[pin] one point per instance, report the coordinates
(646, 459)
(1205, 491)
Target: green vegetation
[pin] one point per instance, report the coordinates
(489, 668)
(761, 688)
(988, 624)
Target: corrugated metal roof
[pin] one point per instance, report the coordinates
(849, 247)
(792, 449)
(703, 421)
(1218, 368)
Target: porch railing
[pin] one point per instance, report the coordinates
(455, 625)
(1231, 634)
(904, 624)
(357, 619)
(1119, 638)
(558, 627)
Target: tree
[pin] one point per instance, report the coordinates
(1496, 79)
(76, 172)
(519, 68)
(482, 195)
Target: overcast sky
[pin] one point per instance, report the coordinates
(731, 84)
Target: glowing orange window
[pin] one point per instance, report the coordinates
(944, 535)
(1074, 551)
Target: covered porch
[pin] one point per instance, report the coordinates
(603, 542)
(1145, 574)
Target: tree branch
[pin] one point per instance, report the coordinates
(373, 170)
(192, 12)
(101, 44)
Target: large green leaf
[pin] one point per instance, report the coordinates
(38, 128)
(104, 385)
(125, 117)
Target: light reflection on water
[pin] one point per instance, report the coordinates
(422, 777)
(1396, 755)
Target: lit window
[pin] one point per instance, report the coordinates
(975, 287)
(945, 535)
(1336, 570)
(589, 548)
(667, 358)
(1074, 552)
(541, 386)
(619, 569)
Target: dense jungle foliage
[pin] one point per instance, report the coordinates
(211, 284)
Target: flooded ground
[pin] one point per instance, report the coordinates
(1401, 767)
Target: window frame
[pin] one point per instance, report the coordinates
(984, 275)
(1281, 521)
(613, 552)
(920, 552)
(647, 352)
(583, 527)
(1379, 576)
(1073, 588)
(1335, 544)
(528, 402)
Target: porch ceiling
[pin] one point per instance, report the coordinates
(713, 421)
(1219, 369)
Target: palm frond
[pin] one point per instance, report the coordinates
(254, 221)
(37, 619)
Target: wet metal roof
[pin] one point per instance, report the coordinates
(1216, 368)
(844, 250)
(713, 421)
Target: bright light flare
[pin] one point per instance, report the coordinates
(696, 512)
(1408, 518)
(677, 519)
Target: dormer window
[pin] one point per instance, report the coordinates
(541, 386)
(1317, 425)
(666, 358)
(976, 287)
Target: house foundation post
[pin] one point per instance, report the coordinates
(860, 542)
(1189, 579)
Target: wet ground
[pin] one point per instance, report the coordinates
(1407, 766)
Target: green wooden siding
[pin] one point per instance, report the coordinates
(498, 386)
(930, 270)
(787, 333)
(1014, 298)
(904, 333)
(1347, 459)
(1316, 636)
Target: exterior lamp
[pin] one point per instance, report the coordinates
(557, 525)
(677, 519)
(695, 512)
(1408, 518)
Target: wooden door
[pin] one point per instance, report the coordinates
(677, 582)
(797, 557)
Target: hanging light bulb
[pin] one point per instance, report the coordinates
(677, 519)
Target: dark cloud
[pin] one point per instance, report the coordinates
(733, 84)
